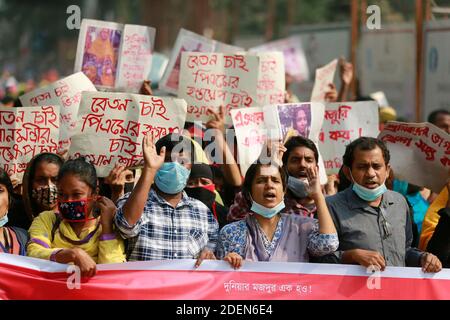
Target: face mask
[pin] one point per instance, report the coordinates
(172, 177)
(4, 220)
(75, 210)
(203, 194)
(45, 196)
(299, 187)
(267, 212)
(368, 194)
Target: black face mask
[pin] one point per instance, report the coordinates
(202, 194)
(128, 187)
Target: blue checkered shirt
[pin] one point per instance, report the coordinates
(164, 232)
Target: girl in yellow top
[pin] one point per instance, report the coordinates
(82, 231)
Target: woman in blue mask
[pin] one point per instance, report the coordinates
(81, 232)
(268, 234)
(12, 240)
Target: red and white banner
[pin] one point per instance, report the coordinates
(29, 278)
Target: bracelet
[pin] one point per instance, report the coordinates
(108, 236)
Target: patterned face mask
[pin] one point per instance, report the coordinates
(75, 210)
(45, 196)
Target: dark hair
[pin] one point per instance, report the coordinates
(6, 181)
(45, 157)
(81, 168)
(296, 142)
(365, 144)
(173, 140)
(251, 174)
(435, 114)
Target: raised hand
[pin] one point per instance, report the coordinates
(218, 121)
(314, 189)
(151, 158)
(346, 71)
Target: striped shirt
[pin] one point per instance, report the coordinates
(164, 232)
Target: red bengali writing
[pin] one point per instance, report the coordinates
(135, 39)
(425, 148)
(235, 62)
(10, 117)
(114, 104)
(68, 101)
(206, 94)
(61, 89)
(16, 151)
(255, 138)
(114, 126)
(159, 132)
(107, 160)
(336, 163)
(272, 98)
(241, 99)
(440, 142)
(155, 108)
(394, 139)
(198, 111)
(244, 120)
(201, 61)
(41, 97)
(266, 83)
(123, 144)
(445, 161)
(340, 134)
(28, 133)
(416, 131)
(45, 117)
(218, 80)
(14, 168)
(269, 66)
(335, 116)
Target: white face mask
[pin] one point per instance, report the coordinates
(4, 220)
(299, 187)
(366, 193)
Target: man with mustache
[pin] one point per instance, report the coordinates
(373, 223)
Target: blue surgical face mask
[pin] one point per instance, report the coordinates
(298, 187)
(366, 193)
(267, 212)
(172, 177)
(4, 220)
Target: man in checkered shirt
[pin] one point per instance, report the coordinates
(157, 218)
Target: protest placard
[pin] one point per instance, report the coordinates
(386, 63)
(113, 55)
(159, 64)
(420, 153)
(65, 93)
(436, 88)
(294, 57)
(256, 126)
(24, 133)
(324, 77)
(211, 80)
(111, 127)
(343, 123)
(188, 41)
(271, 78)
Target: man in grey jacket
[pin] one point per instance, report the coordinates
(373, 223)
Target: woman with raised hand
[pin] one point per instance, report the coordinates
(269, 234)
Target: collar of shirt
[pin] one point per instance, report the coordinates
(155, 197)
(293, 204)
(356, 202)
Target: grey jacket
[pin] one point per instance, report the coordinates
(360, 226)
